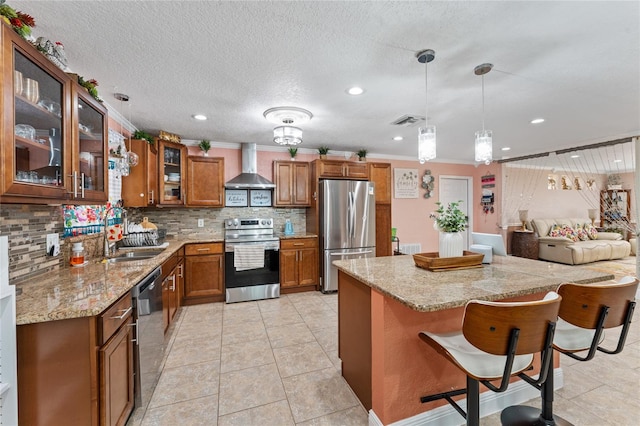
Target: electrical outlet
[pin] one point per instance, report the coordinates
(200, 223)
(53, 244)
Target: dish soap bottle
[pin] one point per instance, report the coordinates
(77, 254)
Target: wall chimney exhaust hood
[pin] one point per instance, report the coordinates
(249, 178)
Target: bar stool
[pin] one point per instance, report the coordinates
(497, 341)
(585, 312)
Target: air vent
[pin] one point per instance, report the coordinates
(408, 120)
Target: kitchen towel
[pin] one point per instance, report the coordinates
(247, 257)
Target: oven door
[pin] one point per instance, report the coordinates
(256, 283)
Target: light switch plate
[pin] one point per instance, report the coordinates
(200, 223)
(53, 244)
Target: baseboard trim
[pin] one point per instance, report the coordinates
(490, 402)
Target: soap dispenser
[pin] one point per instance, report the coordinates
(288, 228)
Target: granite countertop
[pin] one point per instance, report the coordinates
(296, 235)
(426, 291)
(88, 290)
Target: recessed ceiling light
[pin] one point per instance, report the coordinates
(355, 90)
(537, 121)
(617, 161)
(506, 148)
(200, 117)
(575, 156)
(397, 138)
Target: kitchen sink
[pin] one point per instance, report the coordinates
(135, 255)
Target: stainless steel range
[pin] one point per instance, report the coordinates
(252, 260)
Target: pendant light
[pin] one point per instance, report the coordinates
(484, 138)
(426, 134)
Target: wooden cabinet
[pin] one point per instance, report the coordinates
(205, 181)
(293, 184)
(298, 263)
(54, 133)
(140, 188)
(380, 175)
(116, 377)
(342, 169)
(77, 371)
(204, 273)
(615, 208)
(172, 176)
(172, 285)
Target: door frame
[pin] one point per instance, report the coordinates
(469, 180)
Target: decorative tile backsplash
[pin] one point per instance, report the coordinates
(28, 225)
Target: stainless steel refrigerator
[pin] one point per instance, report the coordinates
(347, 225)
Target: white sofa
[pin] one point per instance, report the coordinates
(607, 245)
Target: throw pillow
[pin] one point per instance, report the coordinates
(555, 231)
(570, 233)
(581, 232)
(591, 231)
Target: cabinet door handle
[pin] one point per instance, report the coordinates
(75, 184)
(135, 324)
(173, 283)
(181, 271)
(82, 185)
(203, 249)
(152, 197)
(124, 314)
(298, 244)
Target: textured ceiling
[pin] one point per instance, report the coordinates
(577, 64)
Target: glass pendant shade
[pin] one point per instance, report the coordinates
(484, 146)
(287, 135)
(426, 143)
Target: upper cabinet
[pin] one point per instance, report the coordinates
(380, 174)
(205, 181)
(140, 188)
(341, 169)
(172, 167)
(293, 184)
(89, 153)
(54, 134)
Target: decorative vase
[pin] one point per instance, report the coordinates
(205, 154)
(451, 244)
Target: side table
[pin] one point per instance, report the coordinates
(524, 244)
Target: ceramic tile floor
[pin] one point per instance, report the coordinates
(275, 362)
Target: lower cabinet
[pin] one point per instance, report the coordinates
(172, 285)
(204, 277)
(298, 264)
(77, 371)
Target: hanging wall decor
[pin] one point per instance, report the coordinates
(488, 198)
(428, 184)
(405, 183)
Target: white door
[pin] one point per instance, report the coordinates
(459, 188)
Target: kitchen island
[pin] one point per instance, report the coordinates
(383, 303)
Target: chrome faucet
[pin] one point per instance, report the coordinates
(109, 247)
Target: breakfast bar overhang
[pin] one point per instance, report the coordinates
(384, 302)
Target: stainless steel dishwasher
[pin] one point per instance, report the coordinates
(150, 345)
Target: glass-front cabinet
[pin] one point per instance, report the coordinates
(172, 157)
(90, 156)
(43, 156)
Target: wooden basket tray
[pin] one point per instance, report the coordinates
(432, 262)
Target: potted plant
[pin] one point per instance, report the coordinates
(293, 152)
(205, 146)
(362, 154)
(323, 151)
(450, 222)
(140, 134)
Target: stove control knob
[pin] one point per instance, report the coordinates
(236, 222)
